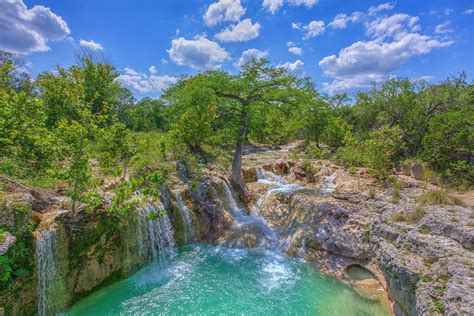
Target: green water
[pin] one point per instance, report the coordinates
(209, 280)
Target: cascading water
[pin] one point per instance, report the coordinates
(47, 271)
(155, 234)
(185, 213)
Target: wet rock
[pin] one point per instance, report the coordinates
(280, 167)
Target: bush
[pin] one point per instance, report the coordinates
(380, 150)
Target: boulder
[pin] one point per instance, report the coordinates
(417, 171)
(249, 174)
(406, 170)
(280, 167)
(7, 241)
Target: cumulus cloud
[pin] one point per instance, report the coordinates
(198, 53)
(296, 68)
(341, 20)
(364, 62)
(381, 7)
(23, 30)
(240, 32)
(274, 5)
(306, 3)
(145, 83)
(312, 29)
(393, 26)
(395, 39)
(443, 28)
(250, 54)
(223, 10)
(152, 69)
(91, 45)
(292, 48)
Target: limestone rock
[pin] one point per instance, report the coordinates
(9, 241)
(417, 171)
(249, 174)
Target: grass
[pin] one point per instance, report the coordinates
(440, 306)
(410, 217)
(439, 197)
(2, 238)
(372, 193)
(425, 278)
(396, 188)
(424, 229)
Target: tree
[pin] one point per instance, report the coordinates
(192, 109)
(146, 115)
(257, 84)
(449, 144)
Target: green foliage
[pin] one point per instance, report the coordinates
(17, 261)
(25, 141)
(156, 214)
(380, 150)
(451, 137)
(440, 306)
(146, 115)
(335, 131)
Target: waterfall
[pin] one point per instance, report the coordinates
(185, 214)
(328, 185)
(235, 210)
(47, 271)
(155, 235)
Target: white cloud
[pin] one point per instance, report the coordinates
(469, 11)
(91, 45)
(381, 7)
(223, 10)
(164, 61)
(313, 28)
(295, 50)
(292, 48)
(144, 83)
(306, 3)
(250, 54)
(296, 68)
(443, 28)
(275, 5)
(363, 62)
(448, 11)
(272, 5)
(198, 53)
(393, 26)
(23, 30)
(341, 20)
(152, 69)
(241, 32)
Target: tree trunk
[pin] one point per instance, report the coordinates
(237, 182)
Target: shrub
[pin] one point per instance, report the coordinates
(380, 150)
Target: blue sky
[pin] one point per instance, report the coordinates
(342, 45)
